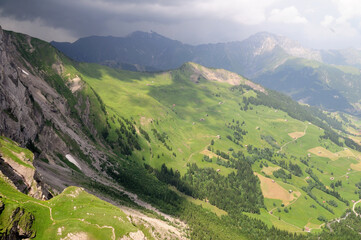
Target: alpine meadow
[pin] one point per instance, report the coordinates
(145, 137)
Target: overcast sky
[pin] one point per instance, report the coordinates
(315, 23)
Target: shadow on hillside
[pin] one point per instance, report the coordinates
(97, 71)
(181, 93)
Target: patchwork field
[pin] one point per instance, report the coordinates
(198, 118)
(271, 189)
(346, 153)
(296, 135)
(322, 152)
(356, 166)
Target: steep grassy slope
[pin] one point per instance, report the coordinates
(47, 107)
(76, 214)
(212, 134)
(198, 118)
(73, 214)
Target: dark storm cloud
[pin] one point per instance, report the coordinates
(86, 17)
(191, 21)
(76, 16)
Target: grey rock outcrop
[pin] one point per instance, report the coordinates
(18, 226)
(38, 117)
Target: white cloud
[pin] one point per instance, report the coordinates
(348, 8)
(339, 27)
(310, 10)
(286, 15)
(343, 25)
(327, 20)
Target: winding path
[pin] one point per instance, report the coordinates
(293, 140)
(337, 220)
(50, 210)
(82, 220)
(101, 227)
(353, 207)
(190, 156)
(290, 203)
(341, 219)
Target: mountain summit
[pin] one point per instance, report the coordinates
(275, 61)
(263, 42)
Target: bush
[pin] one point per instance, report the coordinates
(322, 218)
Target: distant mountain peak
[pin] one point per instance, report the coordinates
(265, 42)
(141, 34)
(219, 75)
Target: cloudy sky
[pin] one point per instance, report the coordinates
(315, 23)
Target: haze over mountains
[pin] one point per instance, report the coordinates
(316, 77)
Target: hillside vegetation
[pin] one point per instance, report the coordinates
(227, 157)
(72, 214)
(206, 132)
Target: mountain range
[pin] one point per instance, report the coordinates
(329, 79)
(93, 152)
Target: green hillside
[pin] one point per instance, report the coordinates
(227, 157)
(73, 214)
(211, 124)
(329, 79)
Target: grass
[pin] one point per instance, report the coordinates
(10, 149)
(171, 103)
(192, 115)
(73, 211)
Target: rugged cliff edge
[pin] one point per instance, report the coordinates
(49, 110)
(37, 116)
(16, 225)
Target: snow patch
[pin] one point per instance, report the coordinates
(72, 160)
(25, 72)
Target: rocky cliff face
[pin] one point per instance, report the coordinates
(16, 165)
(18, 225)
(38, 117)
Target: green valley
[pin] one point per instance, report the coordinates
(198, 122)
(189, 153)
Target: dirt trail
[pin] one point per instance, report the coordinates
(300, 229)
(50, 210)
(354, 205)
(293, 140)
(98, 226)
(135, 199)
(286, 205)
(337, 220)
(289, 203)
(190, 156)
(347, 214)
(82, 220)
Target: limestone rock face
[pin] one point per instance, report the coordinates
(38, 117)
